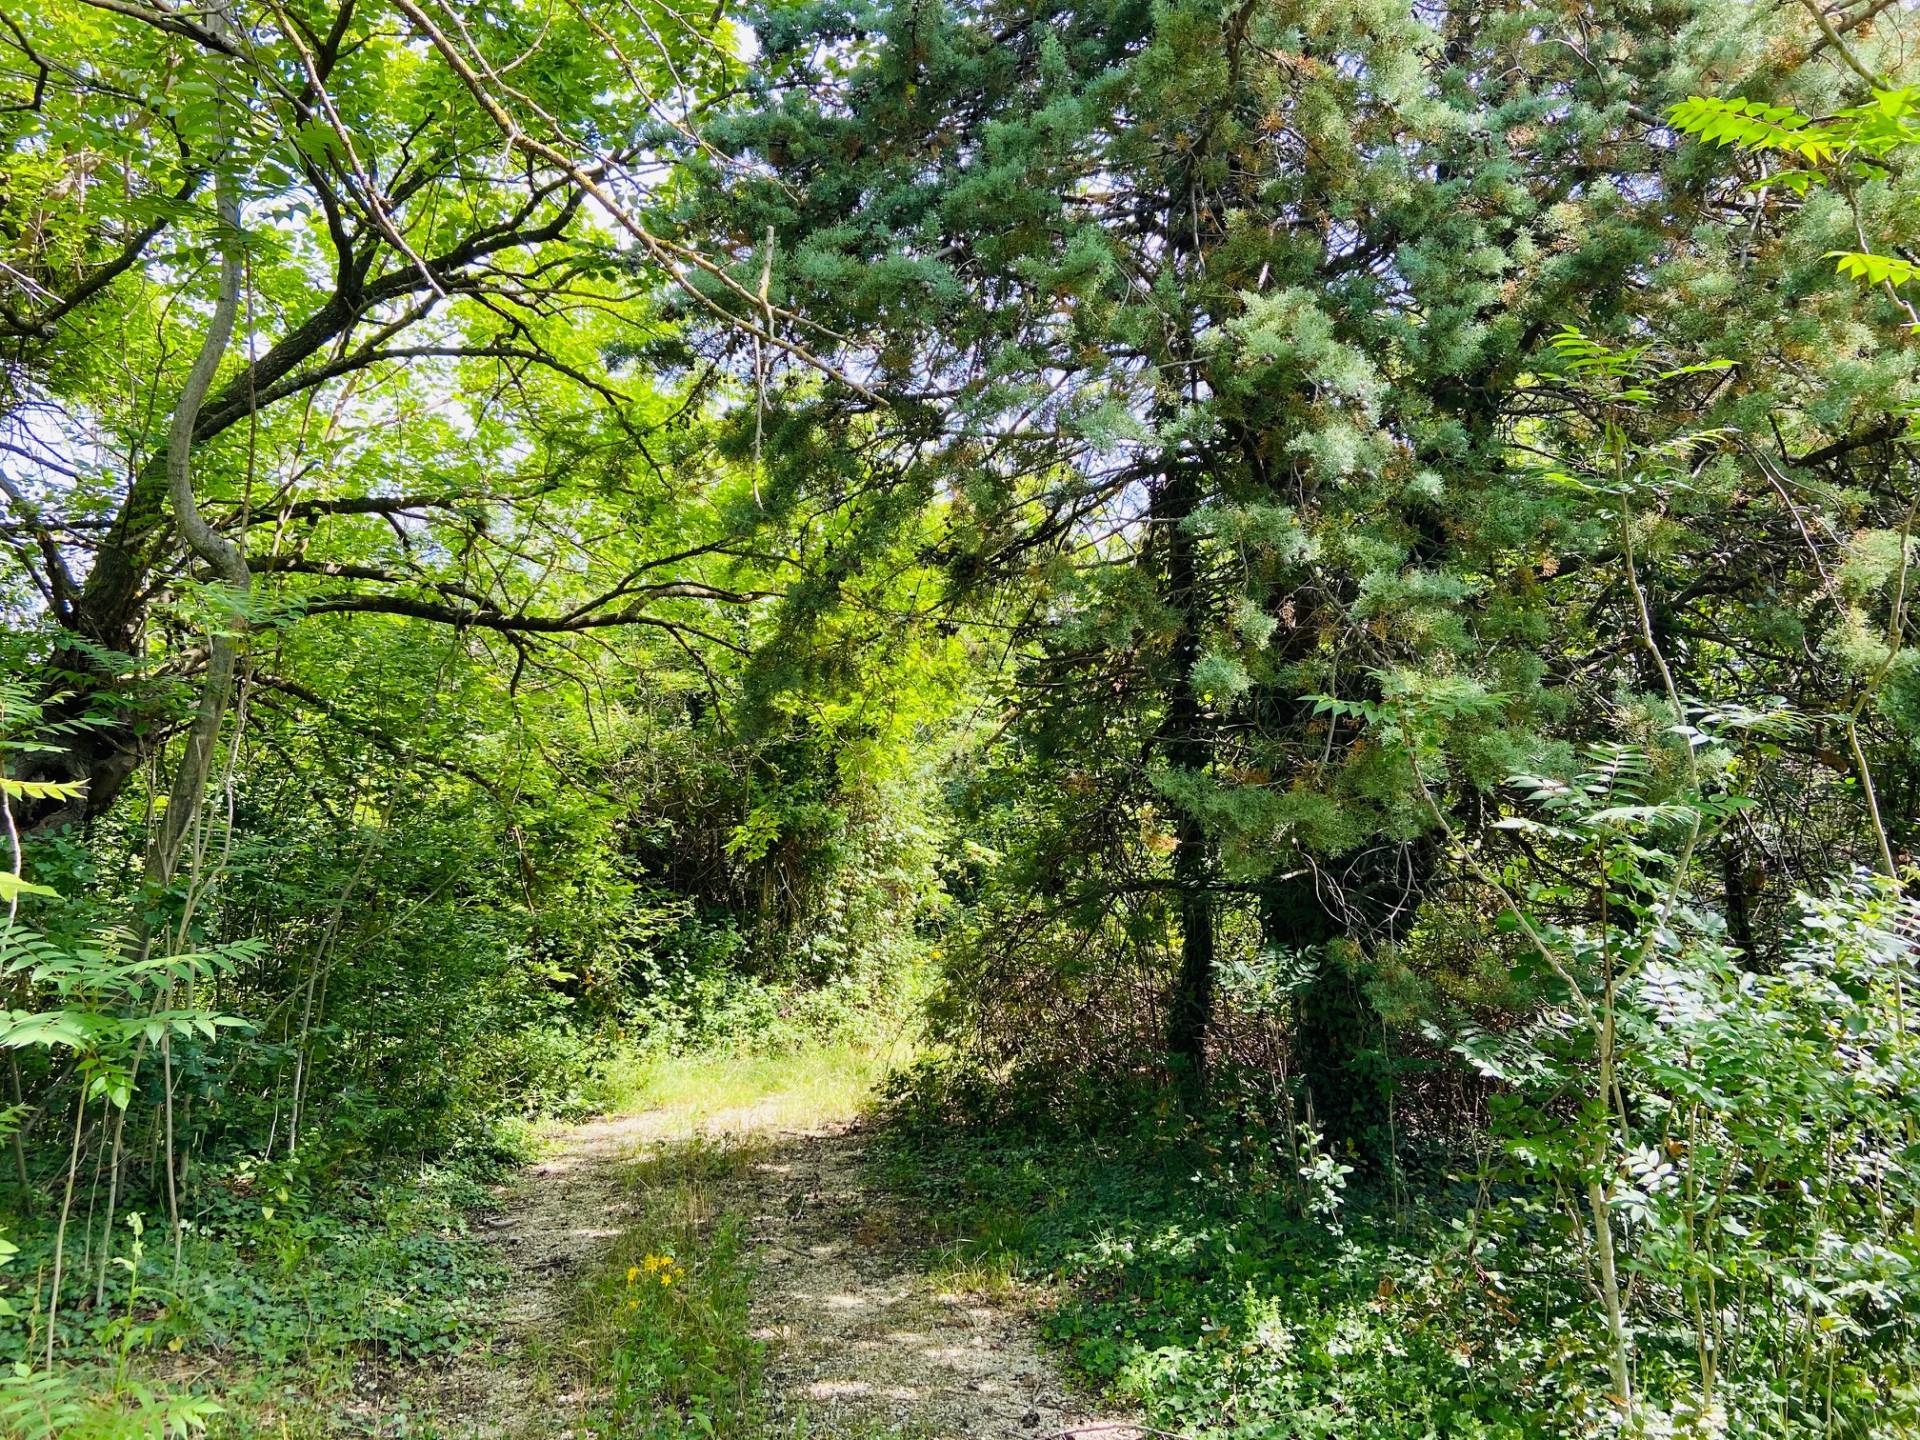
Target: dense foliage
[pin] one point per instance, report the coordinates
(1337, 576)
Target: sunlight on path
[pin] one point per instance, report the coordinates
(860, 1341)
(555, 1218)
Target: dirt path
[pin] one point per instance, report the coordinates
(555, 1218)
(860, 1342)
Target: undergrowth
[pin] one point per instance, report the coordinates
(277, 1277)
(1178, 1270)
(1177, 1273)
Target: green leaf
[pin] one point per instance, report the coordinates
(1873, 269)
(42, 789)
(12, 887)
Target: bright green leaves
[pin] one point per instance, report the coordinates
(1890, 122)
(114, 1002)
(41, 789)
(1873, 559)
(12, 887)
(319, 143)
(1850, 149)
(1288, 328)
(753, 836)
(1871, 269)
(1634, 368)
(1220, 678)
(1755, 125)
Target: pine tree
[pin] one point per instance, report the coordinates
(1211, 326)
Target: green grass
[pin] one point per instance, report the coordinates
(1173, 1278)
(287, 1290)
(973, 1267)
(659, 1330)
(798, 1089)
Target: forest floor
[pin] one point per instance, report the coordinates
(851, 1330)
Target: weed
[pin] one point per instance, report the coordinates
(660, 1329)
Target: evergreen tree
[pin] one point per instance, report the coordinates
(1212, 326)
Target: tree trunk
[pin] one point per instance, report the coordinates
(224, 557)
(1739, 899)
(1324, 1052)
(112, 604)
(1185, 741)
(1338, 1041)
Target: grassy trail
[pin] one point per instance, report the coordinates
(716, 1260)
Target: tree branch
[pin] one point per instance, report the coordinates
(482, 617)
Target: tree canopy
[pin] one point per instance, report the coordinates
(1337, 576)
